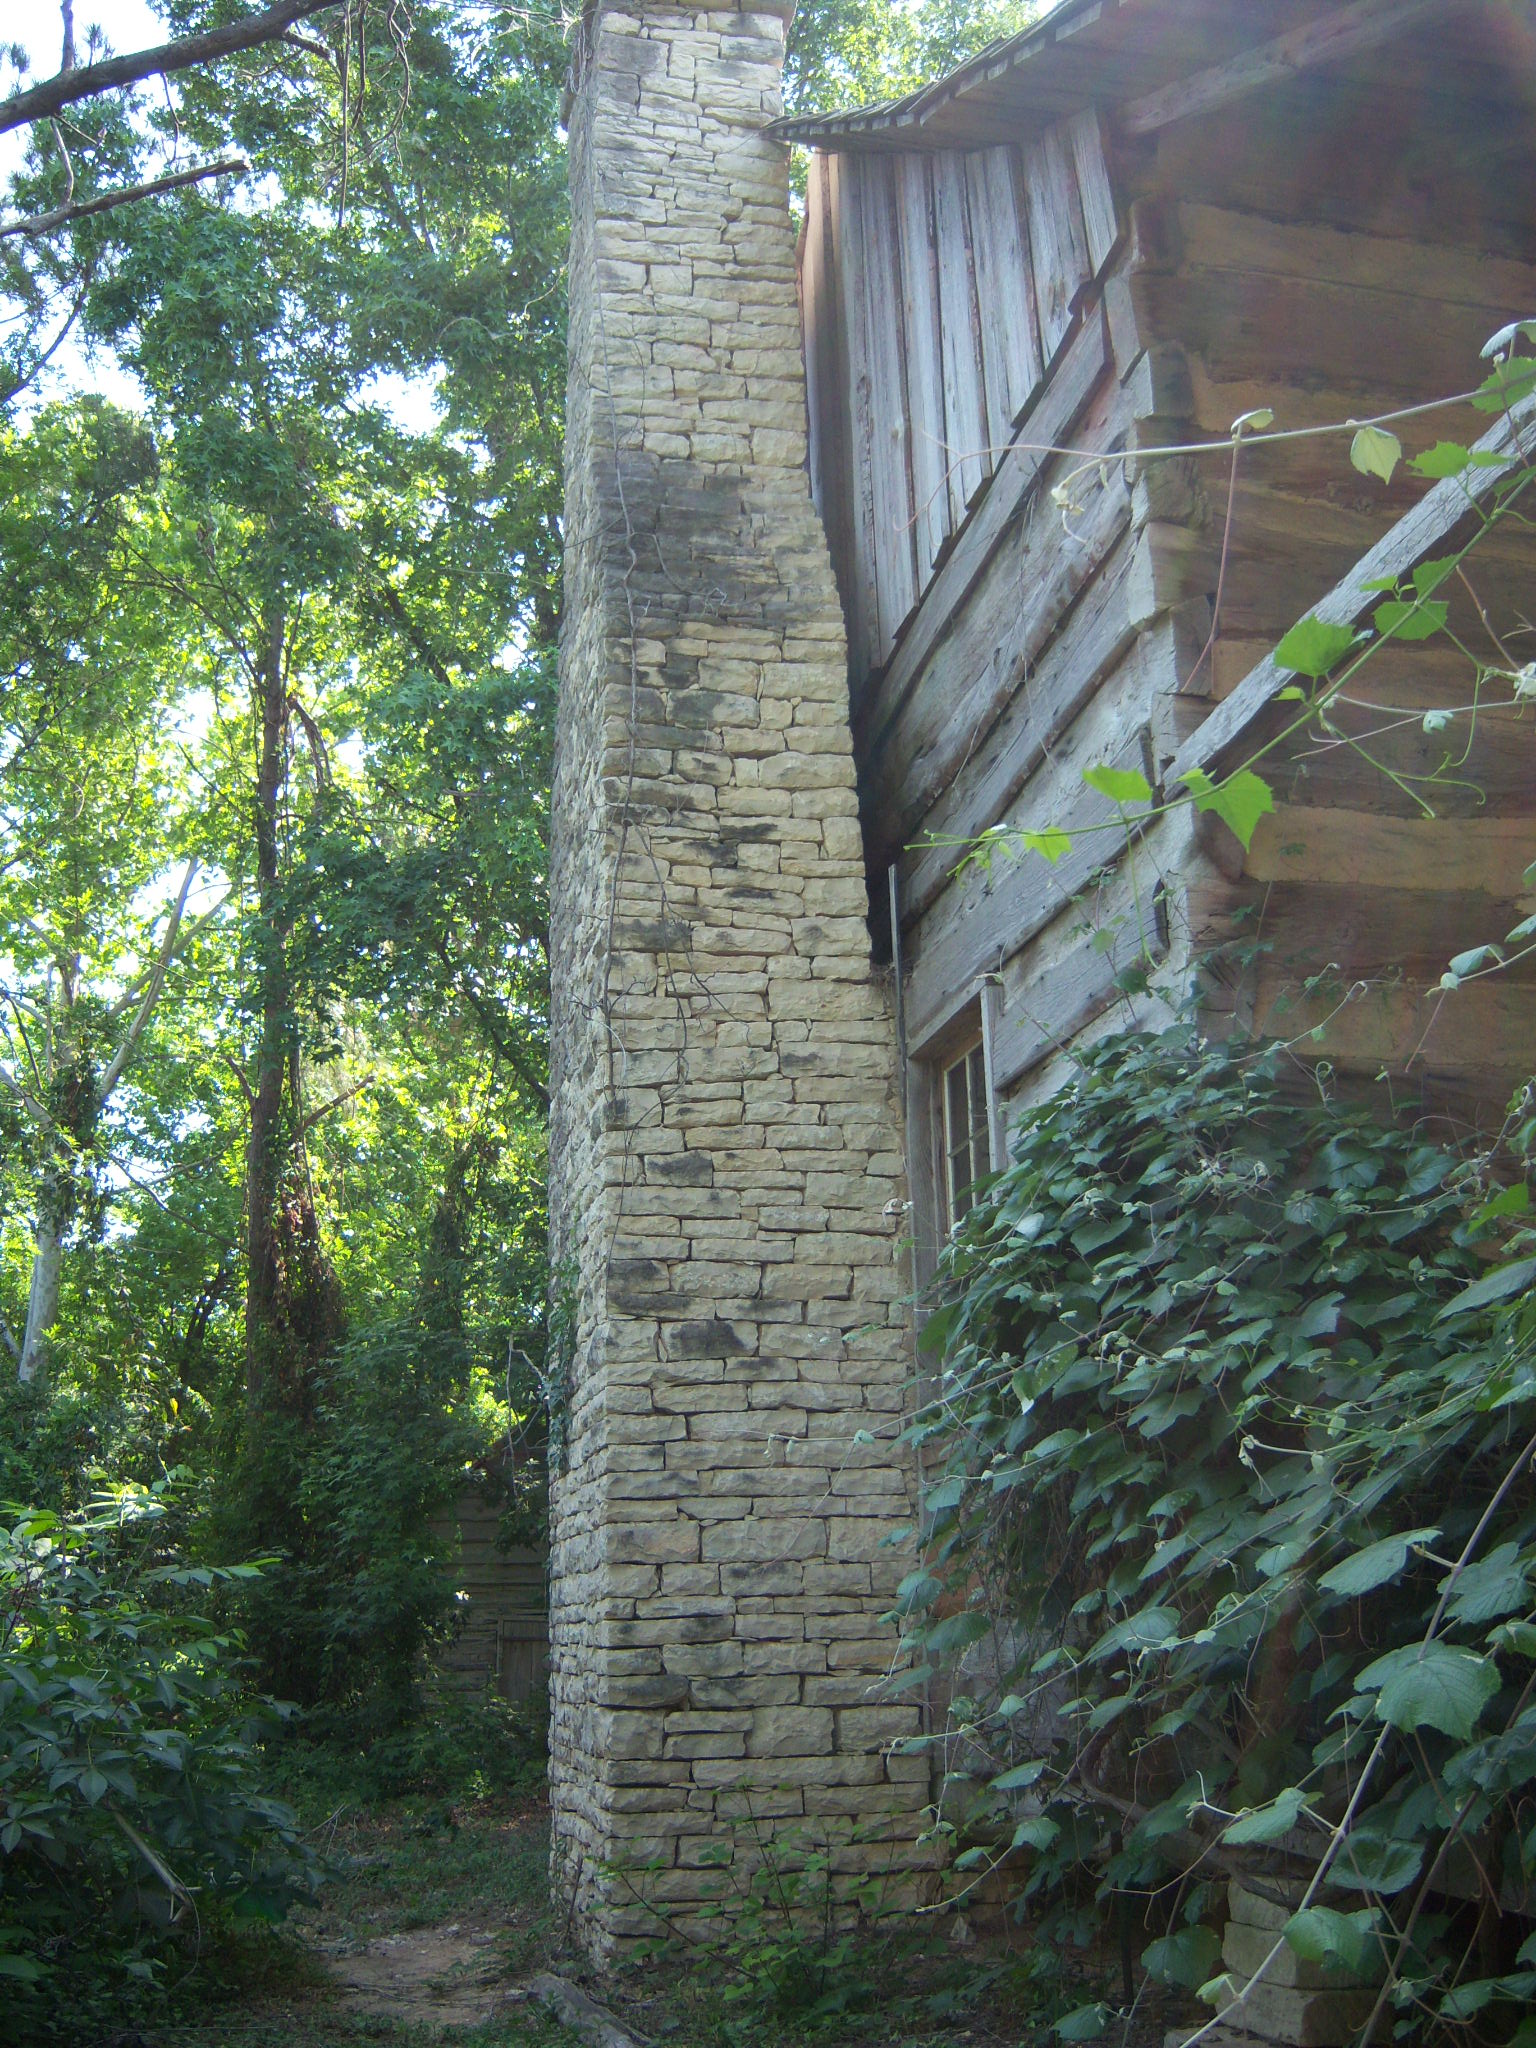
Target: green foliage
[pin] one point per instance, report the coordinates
(845, 53)
(799, 1949)
(461, 1745)
(1229, 1466)
(129, 1803)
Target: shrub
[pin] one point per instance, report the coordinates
(128, 1800)
(1230, 1531)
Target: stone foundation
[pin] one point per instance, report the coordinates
(726, 1175)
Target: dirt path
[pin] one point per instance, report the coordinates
(434, 1977)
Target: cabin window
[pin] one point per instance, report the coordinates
(963, 1139)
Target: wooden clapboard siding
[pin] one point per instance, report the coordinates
(850, 263)
(988, 913)
(1054, 988)
(1096, 633)
(993, 641)
(1058, 239)
(967, 455)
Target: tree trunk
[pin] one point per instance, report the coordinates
(292, 1304)
(43, 1300)
(265, 1146)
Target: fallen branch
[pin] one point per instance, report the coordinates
(572, 2008)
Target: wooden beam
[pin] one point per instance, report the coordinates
(1328, 40)
(1438, 513)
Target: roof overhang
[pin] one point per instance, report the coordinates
(1157, 60)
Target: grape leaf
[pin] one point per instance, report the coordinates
(1313, 646)
(1120, 785)
(1375, 452)
(1375, 1564)
(1266, 1823)
(1431, 1685)
(1239, 800)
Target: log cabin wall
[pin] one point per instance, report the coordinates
(1339, 243)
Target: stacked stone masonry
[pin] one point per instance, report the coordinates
(726, 1175)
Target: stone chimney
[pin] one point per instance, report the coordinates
(726, 1177)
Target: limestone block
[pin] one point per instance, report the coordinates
(1301, 2018)
(1245, 1947)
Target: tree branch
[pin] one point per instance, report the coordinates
(308, 1123)
(104, 202)
(38, 102)
(131, 1036)
(29, 1102)
(130, 995)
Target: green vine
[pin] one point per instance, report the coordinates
(1230, 1530)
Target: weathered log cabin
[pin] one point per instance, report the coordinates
(1128, 228)
(1118, 232)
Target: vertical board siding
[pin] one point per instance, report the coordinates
(925, 372)
(1011, 362)
(896, 584)
(1095, 192)
(937, 289)
(848, 254)
(1058, 240)
(965, 416)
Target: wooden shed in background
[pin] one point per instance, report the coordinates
(1120, 230)
(502, 1640)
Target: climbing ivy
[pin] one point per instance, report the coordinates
(1229, 1559)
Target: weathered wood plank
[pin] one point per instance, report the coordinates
(1011, 283)
(925, 372)
(1003, 630)
(1096, 633)
(1479, 856)
(968, 457)
(1481, 765)
(820, 370)
(1062, 401)
(1055, 991)
(1478, 197)
(987, 915)
(1285, 331)
(844, 180)
(1218, 238)
(1367, 933)
(1439, 512)
(1480, 1035)
(1010, 345)
(1057, 239)
(1327, 40)
(895, 553)
(1091, 164)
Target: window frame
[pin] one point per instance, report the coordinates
(963, 1039)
